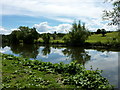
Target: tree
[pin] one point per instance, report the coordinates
(103, 31)
(54, 35)
(114, 14)
(46, 38)
(26, 34)
(14, 37)
(77, 35)
(98, 31)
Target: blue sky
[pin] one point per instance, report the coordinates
(52, 15)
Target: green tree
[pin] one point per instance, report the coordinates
(54, 35)
(46, 38)
(14, 37)
(29, 34)
(103, 31)
(25, 34)
(77, 35)
(114, 14)
(98, 31)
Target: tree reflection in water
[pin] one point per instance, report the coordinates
(46, 50)
(77, 53)
(24, 50)
(32, 50)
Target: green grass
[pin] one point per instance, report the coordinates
(15, 75)
(98, 38)
(19, 72)
(56, 41)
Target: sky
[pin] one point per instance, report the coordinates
(52, 15)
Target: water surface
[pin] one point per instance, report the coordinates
(101, 59)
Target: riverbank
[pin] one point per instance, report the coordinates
(95, 41)
(20, 72)
(110, 40)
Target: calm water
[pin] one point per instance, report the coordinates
(102, 59)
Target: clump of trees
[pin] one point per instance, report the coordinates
(77, 35)
(101, 31)
(46, 38)
(24, 34)
(114, 16)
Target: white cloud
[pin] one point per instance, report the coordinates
(59, 10)
(74, 8)
(5, 31)
(45, 28)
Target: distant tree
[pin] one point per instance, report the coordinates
(54, 35)
(26, 34)
(14, 38)
(77, 35)
(98, 31)
(46, 38)
(103, 31)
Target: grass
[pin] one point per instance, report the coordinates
(20, 72)
(98, 38)
(15, 75)
(56, 41)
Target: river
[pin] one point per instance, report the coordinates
(106, 60)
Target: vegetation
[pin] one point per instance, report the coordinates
(77, 35)
(23, 34)
(46, 38)
(114, 14)
(110, 38)
(23, 73)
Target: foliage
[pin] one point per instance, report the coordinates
(98, 31)
(103, 31)
(110, 37)
(24, 34)
(37, 74)
(77, 35)
(46, 38)
(114, 14)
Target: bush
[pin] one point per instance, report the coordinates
(77, 35)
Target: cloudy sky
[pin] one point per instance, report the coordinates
(52, 15)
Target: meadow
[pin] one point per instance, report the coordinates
(108, 38)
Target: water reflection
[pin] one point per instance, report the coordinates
(46, 50)
(100, 58)
(77, 53)
(26, 51)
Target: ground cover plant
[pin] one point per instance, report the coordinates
(20, 72)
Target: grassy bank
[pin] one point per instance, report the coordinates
(19, 72)
(109, 38)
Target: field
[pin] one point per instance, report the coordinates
(109, 38)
